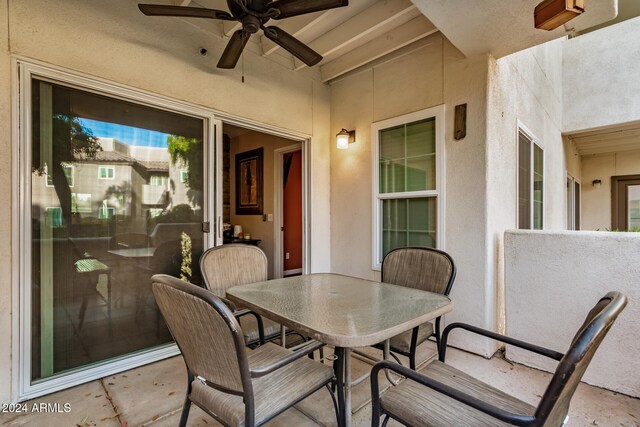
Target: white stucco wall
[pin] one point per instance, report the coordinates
(6, 292)
(553, 279)
(596, 201)
(600, 79)
(391, 88)
(114, 41)
(525, 88)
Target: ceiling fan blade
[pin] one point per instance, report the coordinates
(288, 8)
(184, 11)
(234, 48)
(300, 50)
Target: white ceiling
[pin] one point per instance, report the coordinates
(609, 140)
(365, 30)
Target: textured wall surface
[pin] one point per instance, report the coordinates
(600, 78)
(552, 281)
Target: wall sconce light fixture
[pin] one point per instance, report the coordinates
(344, 138)
(596, 183)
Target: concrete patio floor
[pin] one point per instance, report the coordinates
(152, 395)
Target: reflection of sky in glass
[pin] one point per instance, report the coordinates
(127, 134)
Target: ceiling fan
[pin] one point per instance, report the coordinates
(253, 14)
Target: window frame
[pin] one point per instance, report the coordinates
(67, 166)
(573, 209)
(184, 175)
(107, 168)
(437, 112)
(533, 142)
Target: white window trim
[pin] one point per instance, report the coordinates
(186, 173)
(521, 128)
(439, 113)
(107, 168)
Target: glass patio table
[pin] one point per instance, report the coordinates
(342, 311)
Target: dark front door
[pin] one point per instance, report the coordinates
(625, 202)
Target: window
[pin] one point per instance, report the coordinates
(68, 174)
(80, 202)
(407, 171)
(530, 182)
(184, 175)
(573, 203)
(106, 212)
(106, 172)
(53, 217)
(158, 180)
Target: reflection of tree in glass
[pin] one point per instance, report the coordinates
(188, 152)
(71, 142)
(121, 193)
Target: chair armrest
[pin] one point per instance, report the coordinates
(552, 354)
(460, 396)
(229, 304)
(304, 350)
(244, 312)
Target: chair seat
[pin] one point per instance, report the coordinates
(401, 343)
(273, 393)
(419, 405)
(249, 326)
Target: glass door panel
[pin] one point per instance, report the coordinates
(117, 195)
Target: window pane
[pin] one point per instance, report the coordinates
(407, 157)
(408, 222)
(633, 207)
(96, 242)
(538, 187)
(524, 182)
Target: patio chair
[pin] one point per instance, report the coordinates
(440, 395)
(236, 264)
(421, 268)
(235, 385)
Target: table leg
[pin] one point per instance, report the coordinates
(347, 387)
(338, 369)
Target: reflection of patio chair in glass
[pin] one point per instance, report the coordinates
(441, 395)
(236, 386)
(87, 272)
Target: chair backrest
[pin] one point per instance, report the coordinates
(554, 405)
(421, 268)
(207, 333)
(230, 265)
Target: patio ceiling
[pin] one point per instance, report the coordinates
(610, 140)
(352, 36)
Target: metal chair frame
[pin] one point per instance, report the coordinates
(592, 330)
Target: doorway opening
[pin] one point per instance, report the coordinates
(252, 193)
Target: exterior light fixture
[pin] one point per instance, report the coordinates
(550, 14)
(596, 183)
(344, 138)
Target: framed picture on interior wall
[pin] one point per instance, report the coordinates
(249, 182)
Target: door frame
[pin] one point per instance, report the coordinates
(278, 220)
(23, 70)
(619, 199)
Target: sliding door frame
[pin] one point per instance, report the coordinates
(23, 70)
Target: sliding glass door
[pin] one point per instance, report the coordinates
(118, 191)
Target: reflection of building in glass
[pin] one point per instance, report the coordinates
(122, 180)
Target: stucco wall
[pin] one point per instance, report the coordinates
(596, 201)
(391, 88)
(114, 41)
(524, 89)
(6, 291)
(601, 77)
(553, 280)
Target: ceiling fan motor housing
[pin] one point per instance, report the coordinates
(251, 24)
